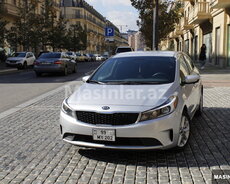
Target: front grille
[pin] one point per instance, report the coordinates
(107, 119)
(120, 141)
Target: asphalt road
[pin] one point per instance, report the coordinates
(21, 87)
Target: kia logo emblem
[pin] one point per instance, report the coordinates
(105, 108)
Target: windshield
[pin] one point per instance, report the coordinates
(69, 53)
(136, 70)
(120, 50)
(19, 54)
(50, 55)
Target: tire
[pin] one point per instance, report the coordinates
(38, 74)
(200, 108)
(24, 65)
(75, 68)
(184, 132)
(65, 72)
(20, 67)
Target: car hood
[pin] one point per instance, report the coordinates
(15, 58)
(120, 97)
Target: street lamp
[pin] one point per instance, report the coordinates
(155, 24)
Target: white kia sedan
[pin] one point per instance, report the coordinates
(135, 100)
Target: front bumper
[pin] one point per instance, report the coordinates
(13, 64)
(162, 133)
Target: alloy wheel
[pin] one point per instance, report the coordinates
(184, 132)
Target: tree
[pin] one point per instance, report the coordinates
(167, 19)
(56, 34)
(3, 31)
(76, 38)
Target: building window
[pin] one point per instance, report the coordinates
(187, 46)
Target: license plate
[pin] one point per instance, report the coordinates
(46, 63)
(104, 135)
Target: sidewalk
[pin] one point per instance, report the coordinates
(214, 76)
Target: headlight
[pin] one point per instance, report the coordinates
(168, 107)
(66, 109)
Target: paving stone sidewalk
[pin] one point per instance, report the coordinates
(31, 150)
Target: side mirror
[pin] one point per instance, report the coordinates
(84, 79)
(191, 79)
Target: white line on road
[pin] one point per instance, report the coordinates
(28, 103)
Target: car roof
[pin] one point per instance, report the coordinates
(147, 53)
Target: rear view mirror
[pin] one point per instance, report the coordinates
(84, 79)
(191, 79)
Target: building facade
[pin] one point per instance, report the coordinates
(136, 40)
(203, 22)
(80, 12)
(10, 11)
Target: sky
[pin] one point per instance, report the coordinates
(120, 12)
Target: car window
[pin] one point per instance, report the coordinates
(142, 69)
(51, 55)
(19, 54)
(184, 71)
(189, 62)
(120, 50)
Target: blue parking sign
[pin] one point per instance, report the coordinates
(109, 31)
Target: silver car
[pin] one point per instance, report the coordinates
(135, 100)
(54, 62)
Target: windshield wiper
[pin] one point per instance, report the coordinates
(95, 82)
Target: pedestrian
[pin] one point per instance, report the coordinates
(202, 56)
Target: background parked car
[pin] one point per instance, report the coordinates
(123, 49)
(21, 60)
(92, 57)
(98, 57)
(54, 62)
(72, 55)
(81, 57)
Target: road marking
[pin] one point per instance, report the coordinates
(36, 99)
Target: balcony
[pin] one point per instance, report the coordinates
(178, 31)
(200, 13)
(191, 1)
(220, 4)
(185, 25)
(172, 35)
(9, 9)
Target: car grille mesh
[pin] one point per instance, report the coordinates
(108, 119)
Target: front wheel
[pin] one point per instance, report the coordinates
(25, 65)
(75, 68)
(200, 108)
(184, 131)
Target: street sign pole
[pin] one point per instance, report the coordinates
(155, 25)
(109, 36)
